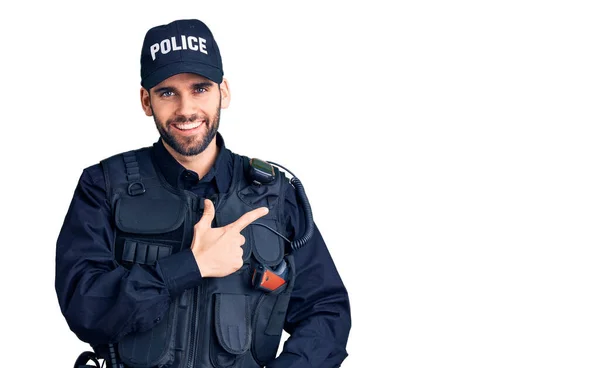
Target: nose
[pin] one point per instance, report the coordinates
(187, 106)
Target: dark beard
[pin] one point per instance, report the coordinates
(189, 147)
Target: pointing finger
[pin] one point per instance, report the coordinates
(208, 215)
(248, 218)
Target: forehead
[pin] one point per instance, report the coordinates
(182, 80)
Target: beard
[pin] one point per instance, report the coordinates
(189, 146)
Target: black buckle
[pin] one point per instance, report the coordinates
(136, 188)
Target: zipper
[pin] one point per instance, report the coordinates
(195, 326)
(192, 340)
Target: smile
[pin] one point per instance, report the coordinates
(188, 126)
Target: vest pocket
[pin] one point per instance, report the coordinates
(149, 215)
(269, 318)
(148, 229)
(268, 326)
(232, 330)
(151, 348)
(267, 247)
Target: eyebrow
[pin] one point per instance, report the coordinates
(202, 85)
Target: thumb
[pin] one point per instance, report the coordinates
(208, 215)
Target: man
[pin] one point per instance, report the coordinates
(185, 254)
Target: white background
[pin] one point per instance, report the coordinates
(449, 150)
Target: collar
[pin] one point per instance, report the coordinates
(179, 177)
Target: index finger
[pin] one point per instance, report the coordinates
(248, 218)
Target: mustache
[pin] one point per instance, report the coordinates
(183, 119)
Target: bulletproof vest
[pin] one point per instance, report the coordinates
(223, 322)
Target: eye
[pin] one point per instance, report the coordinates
(200, 90)
(167, 94)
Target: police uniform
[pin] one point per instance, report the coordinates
(128, 283)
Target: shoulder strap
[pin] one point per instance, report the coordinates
(127, 173)
(136, 186)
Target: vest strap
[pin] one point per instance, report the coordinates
(135, 187)
(144, 253)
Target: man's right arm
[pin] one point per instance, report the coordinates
(101, 300)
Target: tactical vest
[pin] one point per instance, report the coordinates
(224, 322)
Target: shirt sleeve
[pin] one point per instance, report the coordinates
(318, 316)
(101, 300)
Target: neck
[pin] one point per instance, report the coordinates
(200, 163)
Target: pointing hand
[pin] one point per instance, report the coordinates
(218, 251)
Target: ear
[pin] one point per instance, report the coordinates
(225, 94)
(145, 99)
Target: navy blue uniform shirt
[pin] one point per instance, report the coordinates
(103, 301)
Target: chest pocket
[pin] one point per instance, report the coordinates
(148, 228)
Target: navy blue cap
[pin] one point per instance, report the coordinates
(182, 46)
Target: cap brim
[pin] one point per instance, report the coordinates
(169, 70)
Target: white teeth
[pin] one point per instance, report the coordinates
(188, 126)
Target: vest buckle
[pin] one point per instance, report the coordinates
(136, 188)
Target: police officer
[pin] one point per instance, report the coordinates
(185, 254)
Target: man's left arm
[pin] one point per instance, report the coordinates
(318, 316)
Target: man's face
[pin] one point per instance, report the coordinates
(186, 109)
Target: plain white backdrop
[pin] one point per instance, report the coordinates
(449, 150)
